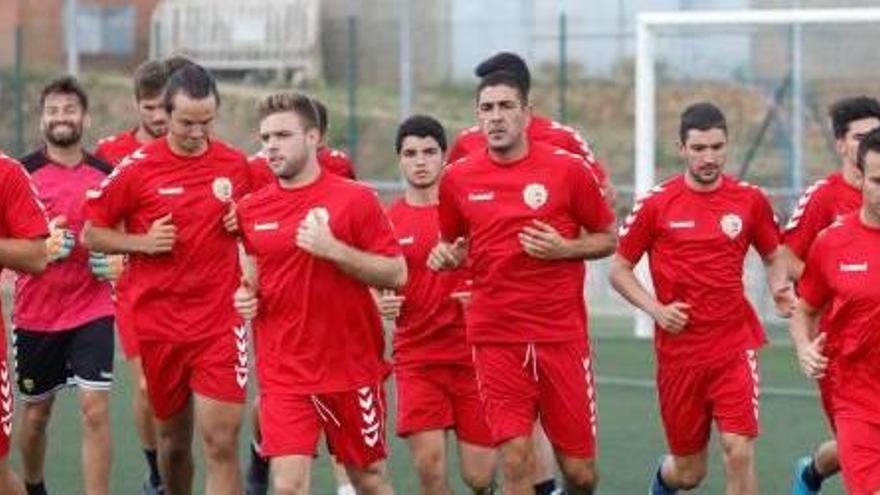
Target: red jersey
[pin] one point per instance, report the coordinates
(66, 295)
(317, 329)
(21, 214)
(183, 295)
(842, 275)
(430, 328)
(333, 161)
(697, 243)
(540, 129)
(113, 149)
(518, 298)
(820, 205)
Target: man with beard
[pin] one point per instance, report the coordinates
(172, 195)
(526, 321)
(64, 316)
(149, 83)
(697, 228)
(320, 363)
(435, 377)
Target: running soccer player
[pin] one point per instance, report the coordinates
(516, 209)
(22, 248)
(63, 317)
(436, 383)
(697, 228)
(172, 195)
(843, 272)
(149, 82)
(821, 205)
(320, 362)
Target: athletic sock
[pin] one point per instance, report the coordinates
(38, 488)
(545, 487)
(153, 465)
(258, 471)
(811, 476)
(346, 489)
(661, 483)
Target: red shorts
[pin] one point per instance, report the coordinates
(554, 381)
(5, 406)
(215, 368)
(353, 422)
(690, 398)
(440, 397)
(125, 326)
(859, 445)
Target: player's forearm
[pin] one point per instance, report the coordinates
(794, 266)
(111, 241)
(778, 270)
(23, 255)
(372, 269)
(624, 281)
(803, 325)
(593, 245)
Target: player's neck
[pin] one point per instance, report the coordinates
(421, 196)
(179, 151)
(850, 175)
(694, 185)
(70, 156)
(142, 136)
(514, 153)
(307, 176)
(869, 218)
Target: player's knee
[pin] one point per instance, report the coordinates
(517, 462)
(95, 413)
(284, 484)
(429, 466)
(582, 478)
(478, 480)
(36, 417)
(690, 476)
(738, 456)
(369, 479)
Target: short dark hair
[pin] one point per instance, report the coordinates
(176, 62)
(504, 78)
(507, 61)
(300, 104)
(420, 126)
(702, 117)
(323, 123)
(149, 80)
(66, 85)
(194, 81)
(871, 142)
(847, 110)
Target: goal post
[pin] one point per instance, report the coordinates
(647, 25)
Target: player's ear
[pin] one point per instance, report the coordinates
(840, 146)
(682, 148)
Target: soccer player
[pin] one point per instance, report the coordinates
(64, 316)
(843, 272)
(172, 195)
(821, 205)
(434, 373)
(317, 242)
(516, 209)
(149, 82)
(23, 231)
(697, 228)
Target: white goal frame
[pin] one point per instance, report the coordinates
(646, 24)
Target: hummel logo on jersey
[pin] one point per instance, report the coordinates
(682, 224)
(171, 191)
(853, 267)
(405, 241)
(265, 226)
(484, 196)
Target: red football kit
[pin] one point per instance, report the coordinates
(21, 217)
(181, 300)
(66, 295)
(821, 205)
(842, 277)
(334, 161)
(527, 318)
(113, 150)
(436, 382)
(318, 336)
(696, 243)
(540, 129)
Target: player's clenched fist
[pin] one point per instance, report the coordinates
(230, 220)
(60, 242)
(446, 256)
(314, 235)
(160, 238)
(785, 301)
(105, 267)
(245, 300)
(672, 317)
(389, 304)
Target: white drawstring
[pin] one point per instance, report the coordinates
(324, 411)
(531, 354)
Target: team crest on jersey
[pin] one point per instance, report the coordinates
(731, 225)
(222, 188)
(535, 195)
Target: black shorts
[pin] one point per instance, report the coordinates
(82, 356)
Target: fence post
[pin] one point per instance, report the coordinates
(18, 92)
(351, 83)
(563, 67)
